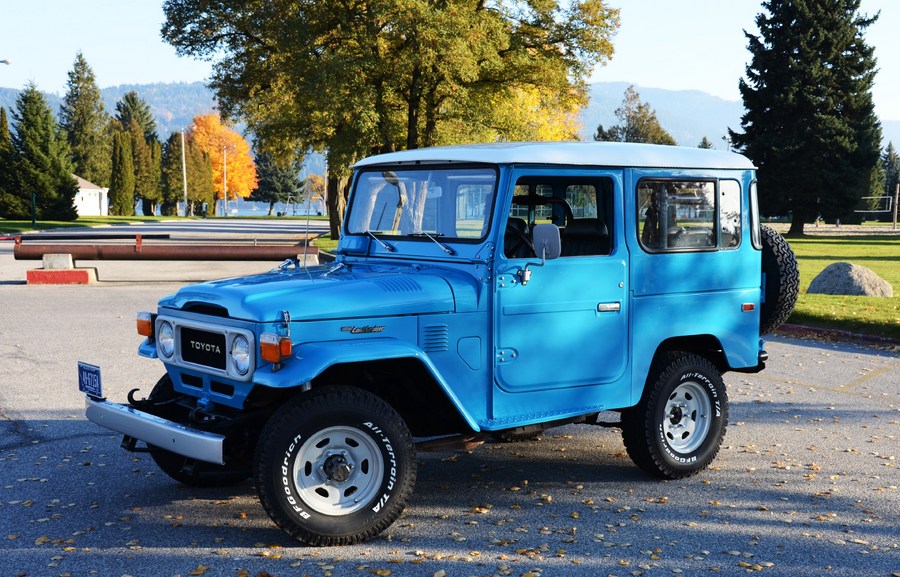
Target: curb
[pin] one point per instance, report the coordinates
(801, 331)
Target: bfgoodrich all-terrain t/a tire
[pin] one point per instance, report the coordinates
(335, 466)
(781, 281)
(677, 428)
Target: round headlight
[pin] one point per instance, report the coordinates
(240, 354)
(165, 339)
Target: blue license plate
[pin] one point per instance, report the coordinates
(89, 380)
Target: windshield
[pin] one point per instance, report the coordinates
(447, 203)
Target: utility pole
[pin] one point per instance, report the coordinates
(224, 181)
(184, 174)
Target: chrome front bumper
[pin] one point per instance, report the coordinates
(156, 431)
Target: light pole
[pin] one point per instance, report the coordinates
(184, 174)
(224, 181)
(225, 178)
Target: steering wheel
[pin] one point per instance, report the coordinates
(519, 240)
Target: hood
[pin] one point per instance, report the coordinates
(322, 293)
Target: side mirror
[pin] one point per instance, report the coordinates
(547, 245)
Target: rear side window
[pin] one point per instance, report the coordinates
(677, 214)
(730, 213)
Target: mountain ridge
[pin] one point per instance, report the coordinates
(688, 115)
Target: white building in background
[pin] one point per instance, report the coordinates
(91, 200)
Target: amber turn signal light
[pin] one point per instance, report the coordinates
(274, 348)
(145, 324)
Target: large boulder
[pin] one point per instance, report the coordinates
(844, 278)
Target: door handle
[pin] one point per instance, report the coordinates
(609, 307)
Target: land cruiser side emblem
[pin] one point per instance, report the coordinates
(362, 330)
(208, 347)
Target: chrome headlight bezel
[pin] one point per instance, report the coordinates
(165, 339)
(241, 355)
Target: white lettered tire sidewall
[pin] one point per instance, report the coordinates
(307, 436)
(678, 427)
(697, 455)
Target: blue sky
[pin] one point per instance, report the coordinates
(673, 44)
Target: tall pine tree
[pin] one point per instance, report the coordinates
(201, 189)
(84, 122)
(810, 123)
(890, 163)
(133, 107)
(277, 180)
(39, 165)
(5, 157)
(121, 186)
(171, 181)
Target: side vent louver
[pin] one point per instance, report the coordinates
(398, 284)
(436, 338)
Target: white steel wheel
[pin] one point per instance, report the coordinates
(677, 428)
(334, 466)
(686, 419)
(338, 470)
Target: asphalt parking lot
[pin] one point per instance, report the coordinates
(807, 483)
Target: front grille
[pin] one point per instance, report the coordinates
(203, 348)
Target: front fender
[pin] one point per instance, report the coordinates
(312, 359)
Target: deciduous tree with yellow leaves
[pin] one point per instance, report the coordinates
(229, 154)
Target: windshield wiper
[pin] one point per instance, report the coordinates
(386, 246)
(443, 246)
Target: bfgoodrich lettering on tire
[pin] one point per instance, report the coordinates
(335, 466)
(677, 428)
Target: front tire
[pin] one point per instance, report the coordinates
(677, 428)
(335, 466)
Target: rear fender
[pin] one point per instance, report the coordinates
(311, 359)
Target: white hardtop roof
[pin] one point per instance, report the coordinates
(610, 154)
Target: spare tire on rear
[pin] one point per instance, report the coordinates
(780, 281)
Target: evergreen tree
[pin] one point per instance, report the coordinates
(133, 107)
(39, 164)
(638, 123)
(154, 195)
(5, 156)
(705, 144)
(277, 180)
(84, 122)
(890, 161)
(142, 162)
(884, 183)
(810, 123)
(200, 180)
(171, 181)
(121, 186)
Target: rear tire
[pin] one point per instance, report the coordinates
(335, 466)
(781, 281)
(677, 428)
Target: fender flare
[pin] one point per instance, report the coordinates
(312, 359)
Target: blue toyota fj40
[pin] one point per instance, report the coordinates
(485, 290)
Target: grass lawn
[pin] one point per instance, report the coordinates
(876, 316)
(14, 226)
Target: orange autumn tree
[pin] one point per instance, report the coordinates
(229, 154)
